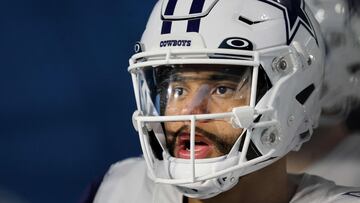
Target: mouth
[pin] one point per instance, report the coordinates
(202, 148)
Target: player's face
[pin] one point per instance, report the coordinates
(196, 91)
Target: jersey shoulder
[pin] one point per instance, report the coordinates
(317, 189)
(123, 181)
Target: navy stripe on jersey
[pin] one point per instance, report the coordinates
(196, 7)
(170, 8)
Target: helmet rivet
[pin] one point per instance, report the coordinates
(291, 120)
(269, 137)
(272, 137)
(309, 60)
(282, 65)
(279, 64)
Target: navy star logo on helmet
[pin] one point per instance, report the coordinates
(295, 15)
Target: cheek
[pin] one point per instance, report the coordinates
(173, 108)
(221, 129)
(220, 106)
(173, 126)
(225, 130)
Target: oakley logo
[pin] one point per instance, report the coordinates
(237, 43)
(175, 43)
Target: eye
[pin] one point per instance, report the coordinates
(223, 90)
(178, 91)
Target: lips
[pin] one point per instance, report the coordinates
(202, 149)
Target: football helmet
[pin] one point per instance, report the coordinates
(340, 24)
(224, 88)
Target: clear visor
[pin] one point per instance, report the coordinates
(195, 89)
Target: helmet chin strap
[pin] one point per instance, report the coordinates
(206, 189)
(212, 187)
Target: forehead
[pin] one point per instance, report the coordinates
(203, 72)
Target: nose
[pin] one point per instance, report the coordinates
(198, 101)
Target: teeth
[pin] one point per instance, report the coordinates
(187, 146)
(195, 150)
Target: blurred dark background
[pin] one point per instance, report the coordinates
(66, 98)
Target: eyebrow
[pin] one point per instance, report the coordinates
(214, 77)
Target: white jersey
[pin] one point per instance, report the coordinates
(342, 164)
(127, 182)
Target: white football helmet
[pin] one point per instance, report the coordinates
(340, 24)
(271, 53)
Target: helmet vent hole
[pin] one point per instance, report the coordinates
(305, 135)
(248, 21)
(304, 95)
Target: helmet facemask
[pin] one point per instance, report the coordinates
(198, 89)
(195, 118)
